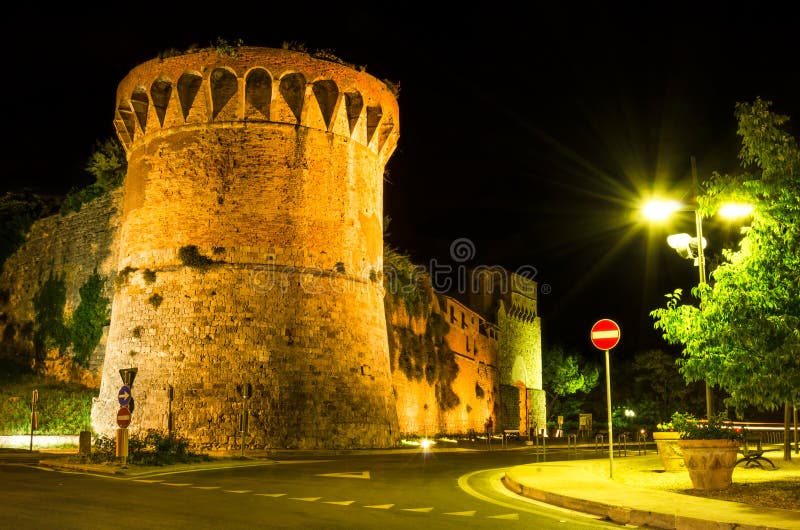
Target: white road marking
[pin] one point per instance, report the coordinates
(271, 494)
(423, 510)
(305, 499)
(147, 481)
(510, 516)
(462, 514)
(174, 484)
(349, 474)
(237, 491)
(340, 503)
(498, 486)
(205, 487)
(380, 506)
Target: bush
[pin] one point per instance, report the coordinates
(718, 427)
(153, 448)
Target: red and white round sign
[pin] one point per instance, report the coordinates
(123, 417)
(605, 334)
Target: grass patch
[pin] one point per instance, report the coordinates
(64, 408)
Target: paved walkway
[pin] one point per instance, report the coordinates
(585, 486)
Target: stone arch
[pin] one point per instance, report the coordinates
(374, 114)
(224, 86)
(354, 104)
(385, 129)
(126, 117)
(326, 93)
(293, 89)
(258, 90)
(160, 92)
(188, 86)
(141, 104)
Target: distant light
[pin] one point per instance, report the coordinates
(426, 444)
(735, 210)
(660, 210)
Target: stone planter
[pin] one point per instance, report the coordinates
(710, 462)
(671, 455)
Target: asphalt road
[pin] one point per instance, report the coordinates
(435, 490)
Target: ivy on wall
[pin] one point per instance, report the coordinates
(49, 328)
(426, 356)
(84, 329)
(86, 326)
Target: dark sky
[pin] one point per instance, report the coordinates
(532, 133)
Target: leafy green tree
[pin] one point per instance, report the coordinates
(745, 333)
(660, 388)
(107, 164)
(563, 376)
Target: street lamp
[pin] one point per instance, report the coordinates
(689, 247)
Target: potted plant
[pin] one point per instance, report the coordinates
(709, 451)
(666, 438)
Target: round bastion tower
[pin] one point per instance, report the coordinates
(250, 252)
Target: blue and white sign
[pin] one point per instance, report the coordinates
(124, 396)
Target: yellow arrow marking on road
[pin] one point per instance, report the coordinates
(340, 503)
(462, 514)
(425, 510)
(511, 516)
(350, 474)
(380, 506)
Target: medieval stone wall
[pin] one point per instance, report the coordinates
(423, 405)
(70, 248)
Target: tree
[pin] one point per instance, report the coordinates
(564, 374)
(661, 389)
(745, 333)
(107, 164)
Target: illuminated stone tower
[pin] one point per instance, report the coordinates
(250, 251)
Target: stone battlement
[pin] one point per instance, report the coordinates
(258, 85)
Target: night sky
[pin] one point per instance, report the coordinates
(533, 134)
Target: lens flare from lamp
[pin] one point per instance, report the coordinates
(660, 210)
(735, 210)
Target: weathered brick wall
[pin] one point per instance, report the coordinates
(271, 164)
(71, 247)
(419, 408)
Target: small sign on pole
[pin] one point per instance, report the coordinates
(605, 335)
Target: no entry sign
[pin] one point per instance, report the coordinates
(605, 334)
(123, 417)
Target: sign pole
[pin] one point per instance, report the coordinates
(610, 422)
(605, 335)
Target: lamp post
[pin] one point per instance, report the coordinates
(693, 247)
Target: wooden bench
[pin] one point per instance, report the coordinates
(752, 453)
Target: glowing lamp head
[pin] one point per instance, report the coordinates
(735, 210)
(660, 210)
(685, 245)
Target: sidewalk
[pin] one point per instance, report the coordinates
(585, 486)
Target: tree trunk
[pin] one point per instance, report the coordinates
(787, 441)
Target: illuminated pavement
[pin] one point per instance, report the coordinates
(576, 484)
(585, 486)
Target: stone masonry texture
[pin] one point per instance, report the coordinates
(269, 166)
(246, 247)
